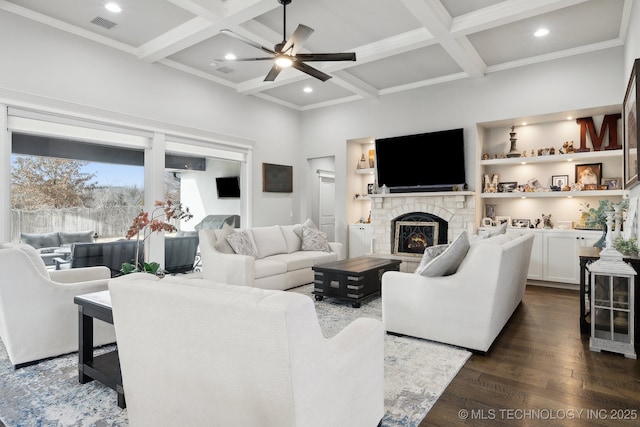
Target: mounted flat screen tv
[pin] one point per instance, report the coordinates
(228, 186)
(431, 161)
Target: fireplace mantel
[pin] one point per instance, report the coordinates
(425, 194)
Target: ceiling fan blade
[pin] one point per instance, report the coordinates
(346, 56)
(264, 58)
(247, 41)
(273, 73)
(313, 72)
(297, 39)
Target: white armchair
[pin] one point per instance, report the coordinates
(195, 352)
(38, 318)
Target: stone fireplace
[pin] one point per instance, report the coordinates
(415, 216)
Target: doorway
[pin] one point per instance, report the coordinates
(326, 203)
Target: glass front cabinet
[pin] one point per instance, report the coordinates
(612, 316)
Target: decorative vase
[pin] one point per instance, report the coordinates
(602, 240)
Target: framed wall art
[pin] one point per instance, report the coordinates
(630, 124)
(589, 175)
(277, 178)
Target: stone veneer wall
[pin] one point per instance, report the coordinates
(458, 209)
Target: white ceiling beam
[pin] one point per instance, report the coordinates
(353, 84)
(368, 53)
(435, 18)
(504, 13)
(60, 25)
(201, 28)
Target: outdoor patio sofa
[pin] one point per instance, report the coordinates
(46, 243)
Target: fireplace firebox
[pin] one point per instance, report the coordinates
(413, 232)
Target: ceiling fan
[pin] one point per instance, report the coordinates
(285, 54)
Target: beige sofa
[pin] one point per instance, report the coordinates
(283, 256)
(198, 353)
(468, 308)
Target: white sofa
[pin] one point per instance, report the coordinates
(38, 317)
(280, 260)
(194, 352)
(468, 308)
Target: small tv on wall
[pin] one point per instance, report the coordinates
(228, 186)
(432, 161)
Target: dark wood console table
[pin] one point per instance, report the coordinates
(105, 367)
(587, 256)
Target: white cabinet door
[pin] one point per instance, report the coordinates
(561, 261)
(536, 261)
(360, 236)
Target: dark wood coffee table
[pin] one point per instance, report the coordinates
(353, 280)
(104, 367)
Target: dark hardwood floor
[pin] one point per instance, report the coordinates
(540, 371)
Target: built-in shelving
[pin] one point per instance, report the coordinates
(520, 194)
(571, 157)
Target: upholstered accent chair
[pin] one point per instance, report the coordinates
(38, 317)
(195, 352)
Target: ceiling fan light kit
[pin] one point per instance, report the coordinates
(285, 54)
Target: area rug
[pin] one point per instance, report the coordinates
(48, 394)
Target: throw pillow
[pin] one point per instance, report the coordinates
(314, 240)
(242, 244)
(501, 229)
(222, 245)
(429, 254)
(448, 261)
(308, 223)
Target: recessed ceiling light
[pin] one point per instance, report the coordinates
(541, 32)
(113, 7)
(230, 57)
(523, 124)
(307, 89)
(569, 118)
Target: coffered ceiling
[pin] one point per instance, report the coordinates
(400, 44)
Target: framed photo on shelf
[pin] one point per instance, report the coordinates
(520, 223)
(559, 180)
(630, 124)
(489, 211)
(612, 183)
(502, 219)
(589, 175)
(507, 187)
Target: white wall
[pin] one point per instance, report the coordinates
(62, 69)
(199, 192)
(583, 81)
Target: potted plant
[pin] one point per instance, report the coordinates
(144, 224)
(596, 218)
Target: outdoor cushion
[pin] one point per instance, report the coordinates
(46, 240)
(66, 238)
